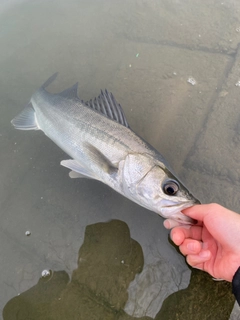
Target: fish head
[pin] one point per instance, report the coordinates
(151, 184)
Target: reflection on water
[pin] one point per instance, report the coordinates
(108, 261)
(144, 52)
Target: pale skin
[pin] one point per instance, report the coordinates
(213, 244)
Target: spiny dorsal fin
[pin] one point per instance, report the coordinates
(70, 93)
(106, 104)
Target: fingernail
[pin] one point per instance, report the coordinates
(191, 246)
(205, 245)
(175, 238)
(204, 254)
(166, 224)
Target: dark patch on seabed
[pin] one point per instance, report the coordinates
(98, 287)
(204, 299)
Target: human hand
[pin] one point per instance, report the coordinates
(212, 245)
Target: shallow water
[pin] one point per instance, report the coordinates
(109, 258)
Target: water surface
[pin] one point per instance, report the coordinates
(109, 258)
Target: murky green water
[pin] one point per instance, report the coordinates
(109, 258)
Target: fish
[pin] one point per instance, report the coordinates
(101, 145)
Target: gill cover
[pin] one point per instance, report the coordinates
(136, 167)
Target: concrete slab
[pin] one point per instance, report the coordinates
(216, 152)
(235, 315)
(202, 25)
(153, 87)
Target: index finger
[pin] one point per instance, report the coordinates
(179, 234)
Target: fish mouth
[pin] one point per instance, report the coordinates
(174, 207)
(174, 211)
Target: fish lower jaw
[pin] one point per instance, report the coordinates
(173, 212)
(182, 220)
(173, 208)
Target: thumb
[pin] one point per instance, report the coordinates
(222, 223)
(200, 211)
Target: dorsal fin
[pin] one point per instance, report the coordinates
(106, 104)
(70, 92)
(49, 80)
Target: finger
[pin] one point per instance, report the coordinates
(170, 223)
(190, 246)
(200, 211)
(196, 260)
(179, 234)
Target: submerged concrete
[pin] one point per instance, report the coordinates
(148, 54)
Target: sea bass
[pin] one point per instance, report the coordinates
(97, 137)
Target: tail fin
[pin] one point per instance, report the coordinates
(26, 120)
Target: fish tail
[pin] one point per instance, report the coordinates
(26, 120)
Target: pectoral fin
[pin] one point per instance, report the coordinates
(78, 171)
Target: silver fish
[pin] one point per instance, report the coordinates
(97, 137)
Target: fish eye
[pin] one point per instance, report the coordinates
(170, 188)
